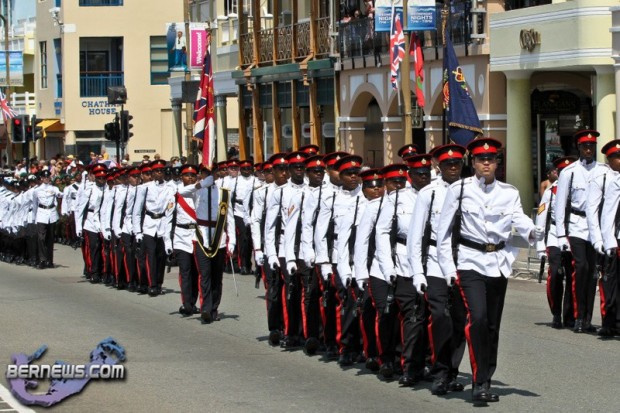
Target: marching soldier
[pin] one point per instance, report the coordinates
(447, 313)
(118, 217)
(609, 287)
(479, 213)
(392, 231)
(87, 223)
(258, 211)
(315, 170)
(44, 200)
(242, 187)
(105, 218)
(125, 228)
(559, 279)
(574, 234)
(149, 228)
(276, 223)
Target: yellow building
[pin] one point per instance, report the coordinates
(85, 46)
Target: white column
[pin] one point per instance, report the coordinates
(605, 105)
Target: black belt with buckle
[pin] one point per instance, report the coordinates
(91, 210)
(401, 240)
(187, 226)
(482, 247)
(46, 206)
(154, 215)
(432, 242)
(577, 212)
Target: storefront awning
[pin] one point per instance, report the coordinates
(51, 125)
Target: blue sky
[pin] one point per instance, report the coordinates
(23, 9)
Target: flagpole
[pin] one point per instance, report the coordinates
(444, 20)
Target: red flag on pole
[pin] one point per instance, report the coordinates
(415, 50)
(204, 109)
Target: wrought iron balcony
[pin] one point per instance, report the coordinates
(93, 84)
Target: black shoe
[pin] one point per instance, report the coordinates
(479, 393)
(455, 386)
(215, 316)
(206, 317)
(406, 380)
(245, 271)
(153, 292)
(108, 280)
(345, 359)
(41, 265)
(195, 310)
(372, 364)
(605, 332)
(121, 286)
(557, 322)
(274, 338)
(184, 312)
(588, 328)
(578, 326)
(143, 289)
(332, 352)
(440, 387)
(569, 324)
(95, 279)
(289, 342)
(387, 370)
(311, 346)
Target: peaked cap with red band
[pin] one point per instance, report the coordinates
(484, 146)
(315, 161)
(233, 163)
(266, 166)
(246, 163)
(419, 161)
(134, 171)
(278, 159)
(586, 136)
(561, 163)
(349, 162)
(395, 171)
(448, 152)
(370, 175)
(296, 158)
(189, 169)
(331, 158)
(611, 148)
(309, 149)
(98, 168)
(158, 164)
(407, 151)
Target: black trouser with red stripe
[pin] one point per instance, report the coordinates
(155, 257)
(385, 323)
(328, 308)
(559, 283)
(188, 278)
(412, 308)
(93, 243)
(129, 260)
(273, 298)
(143, 279)
(609, 290)
(243, 250)
(584, 279)
(484, 302)
(291, 302)
(107, 261)
(347, 326)
(211, 276)
(310, 311)
(367, 319)
(120, 274)
(446, 328)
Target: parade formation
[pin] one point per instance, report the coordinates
(396, 268)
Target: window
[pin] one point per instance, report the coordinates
(231, 7)
(159, 61)
(43, 52)
(101, 65)
(101, 3)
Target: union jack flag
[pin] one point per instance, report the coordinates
(7, 112)
(204, 109)
(397, 48)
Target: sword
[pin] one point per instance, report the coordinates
(232, 267)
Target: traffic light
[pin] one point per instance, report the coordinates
(19, 129)
(126, 134)
(111, 131)
(29, 133)
(36, 132)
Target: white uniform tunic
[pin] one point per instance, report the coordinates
(44, 203)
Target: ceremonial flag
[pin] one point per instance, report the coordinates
(7, 111)
(462, 117)
(397, 47)
(204, 110)
(415, 50)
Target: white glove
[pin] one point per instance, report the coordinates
(273, 262)
(563, 244)
(612, 252)
(326, 271)
(541, 254)
(360, 284)
(169, 251)
(598, 247)
(79, 234)
(108, 237)
(419, 282)
(538, 233)
(451, 279)
(231, 249)
(139, 237)
(291, 267)
(259, 257)
(309, 257)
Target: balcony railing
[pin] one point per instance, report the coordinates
(93, 84)
(302, 38)
(247, 49)
(323, 40)
(285, 43)
(266, 45)
(101, 2)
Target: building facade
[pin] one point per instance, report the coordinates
(85, 46)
